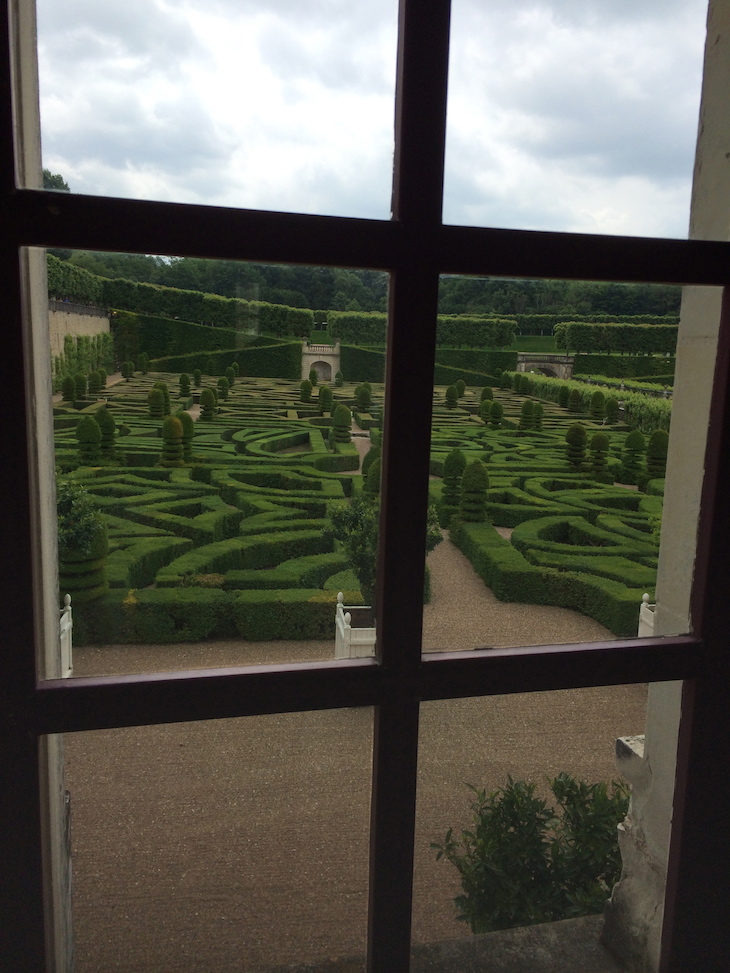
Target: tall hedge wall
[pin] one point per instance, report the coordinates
(68, 281)
(623, 366)
(280, 360)
(632, 339)
(361, 364)
(545, 323)
(474, 332)
(476, 360)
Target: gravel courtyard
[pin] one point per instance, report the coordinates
(238, 845)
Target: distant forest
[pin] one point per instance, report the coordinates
(328, 288)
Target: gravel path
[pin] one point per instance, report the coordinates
(236, 845)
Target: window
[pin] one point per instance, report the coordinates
(414, 247)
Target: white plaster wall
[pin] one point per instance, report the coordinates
(61, 323)
(634, 916)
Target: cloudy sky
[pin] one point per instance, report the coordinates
(573, 115)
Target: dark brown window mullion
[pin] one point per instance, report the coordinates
(420, 127)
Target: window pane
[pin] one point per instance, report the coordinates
(258, 105)
(231, 844)
(574, 116)
(549, 459)
(234, 532)
(483, 743)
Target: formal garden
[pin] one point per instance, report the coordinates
(204, 525)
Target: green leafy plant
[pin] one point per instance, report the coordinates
(523, 861)
(355, 526)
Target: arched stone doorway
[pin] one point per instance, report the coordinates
(323, 370)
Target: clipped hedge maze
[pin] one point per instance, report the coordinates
(577, 540)
(233, 543)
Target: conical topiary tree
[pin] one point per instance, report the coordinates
(527, 414)
(223, 388)
(505, 382)
(516, 379)
(576, 439)
(197, 377)
(80, 383)
(339, 380)
(143, 360)
(612, 409)
(363, 398)
(372, 480)
(305, 390)
(454, 466)
(236, 369)
(633, 457)
(496, 415)
(525, 385)
(325, 399)
(102, 376)
(231, 376)
(474, 486)
(574, 403)
(451, 397)
(313, 377)
(487, 393)
(207, 404)
(342, 424)
(598, 406)
(68, 388)
(88, 435)
(599, 447)
(460, 388)
(156, 403)
(537, 414)
(656, 454)
(563, 396)
(94, 383)
(184, 385)
(485, 409)
(108, 428)
(172, 445)
(372, 454)
(188, 434)
(162, 386)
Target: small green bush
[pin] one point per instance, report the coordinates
(108, 428)
(599, 453)
(80, 383)
(223, 388)
(305, 390)
(451, 397)
(313, 377)
(230, 376)
(184, 385)
(197, 377)
(156, 403)
(460, 387)
(527, 415)
(563, 396)
(339, 380)
(188, 434)
(525, 385)
(612, 409)
(523, 862)
(574, 402)
(487, 393)
(495, 416)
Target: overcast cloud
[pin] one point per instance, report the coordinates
(563, 114)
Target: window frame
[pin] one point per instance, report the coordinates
(414, 247)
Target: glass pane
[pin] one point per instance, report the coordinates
(516, 744)
(211, 488)
(260, 105)
(574, 116)
(231, 844)
(551, 462)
